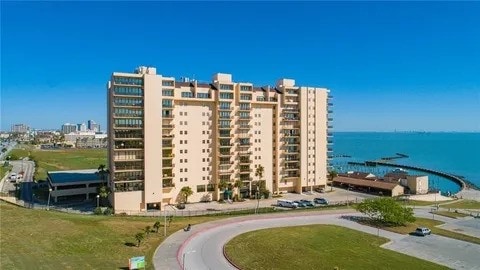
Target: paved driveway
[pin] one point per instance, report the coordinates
(201, 248)
(442, 250)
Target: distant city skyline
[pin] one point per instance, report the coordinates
(405, 66)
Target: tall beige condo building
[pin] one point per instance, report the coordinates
(166, 134)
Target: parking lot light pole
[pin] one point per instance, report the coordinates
(98, 200)
(48, 202)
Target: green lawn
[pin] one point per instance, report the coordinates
(463, 204)
(317, 247)
(430, 223)
(450, 214)
(65, 159)
(38, 239)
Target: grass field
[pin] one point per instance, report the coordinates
(430, 223)
(37, 239)
(463, 204)
(65, 159)
(450, 214)
(317, 247)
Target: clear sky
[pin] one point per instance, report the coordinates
(404, 66)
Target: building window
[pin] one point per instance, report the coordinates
(201, 188)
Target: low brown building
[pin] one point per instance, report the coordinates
(370, 186)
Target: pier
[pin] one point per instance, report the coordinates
(454, 178)
(398, 155)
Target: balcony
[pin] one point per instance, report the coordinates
(245, 161)
(245, 117)
(243, 127)
(167, 183)
(330, 119)
(167, 166)
(244, 109)
(225, 108)
(291, 168)
(224, 154)
(169, 126)
(168, 145)
(225, 135)
(330, 104)
(244, 135)
(225, 145)
(225, 127)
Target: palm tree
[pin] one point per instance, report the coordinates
(103, 190)
(238, 184)
(259, 172)
(332, 174)
(147, 230)
(139, 237)
(186, 192)
(156, 226)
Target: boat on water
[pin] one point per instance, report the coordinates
(399, 170)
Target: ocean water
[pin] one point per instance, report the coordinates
(455, 153)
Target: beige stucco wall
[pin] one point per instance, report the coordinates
(262, 149)
(194, 119)
(153, 138)
(320, 143)
(397, 190)
(128, 201)
(417, 184)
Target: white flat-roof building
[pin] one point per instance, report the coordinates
(74, 184)
(166, 134)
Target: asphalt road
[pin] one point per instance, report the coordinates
(28, 167)
(202, 247)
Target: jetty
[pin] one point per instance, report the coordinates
(398, 155)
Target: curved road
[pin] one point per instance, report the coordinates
(202, 247)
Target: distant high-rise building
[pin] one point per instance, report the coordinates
(92, 126)
(166, 134)
(81, 127)
(68, 128)
(20, 128)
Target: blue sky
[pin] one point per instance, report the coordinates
(401, 65)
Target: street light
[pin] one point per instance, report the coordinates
(48, 203)
(98, 200)
(184, 267)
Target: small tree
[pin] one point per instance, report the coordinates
(332, 174)
(156, 226)
(222, 185)
(387, 211)
(238, 184)
(186, 192)
(147, 230)
(259, 172)
(139, 237)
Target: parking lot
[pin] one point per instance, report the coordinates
(336, 196)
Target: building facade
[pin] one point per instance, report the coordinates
(92, 126)
(166, 134)
(68, 128)
(19, 128)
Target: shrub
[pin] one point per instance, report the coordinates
(98, 211)
(108, 211)
(266, 193)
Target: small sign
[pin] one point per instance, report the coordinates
(136, 263)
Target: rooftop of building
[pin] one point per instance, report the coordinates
(220, 78)
(366, 183)
(73, 176)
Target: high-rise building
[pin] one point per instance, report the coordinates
(19, 128)
(81, 127)
(166, 134)
(68, 128)
(92, 126)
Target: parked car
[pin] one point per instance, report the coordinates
(422, 231)
(300, 204)
(320, 201)
(307, 203)
(287, 203)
